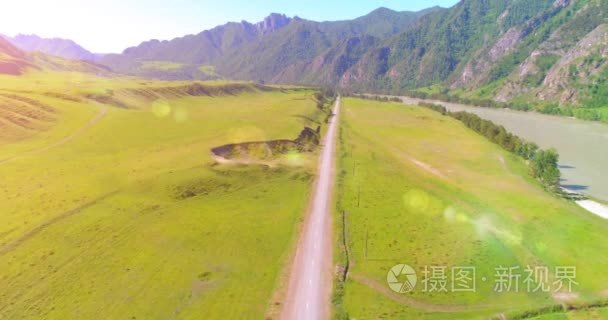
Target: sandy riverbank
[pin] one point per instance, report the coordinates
(594, 207)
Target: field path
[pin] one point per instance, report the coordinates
(30, 234)
(309, 289)
(103, 109)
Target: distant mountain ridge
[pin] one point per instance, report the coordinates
(54, 46)
(203, 47)
(14, 61)
(253, 50)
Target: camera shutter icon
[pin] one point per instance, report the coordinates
(402, 278)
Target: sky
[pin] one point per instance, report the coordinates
(110, 26)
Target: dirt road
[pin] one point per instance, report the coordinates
(308, 293)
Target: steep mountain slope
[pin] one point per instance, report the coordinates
(56, 46)
(327, 67)
(569, 67)
(548, 54)
(443, 43)
(300, 40)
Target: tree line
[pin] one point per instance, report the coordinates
(324, 96)
(373, 97)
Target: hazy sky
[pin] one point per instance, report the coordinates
(106, 26)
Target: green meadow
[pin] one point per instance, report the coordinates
(421, 189)
(113, 207)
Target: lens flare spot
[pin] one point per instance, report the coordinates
(294, 159)
(417, 200)
(161, 108)
(541, 247)
(512, 238)
(449, 214)
(485, 227)
(180, 115)
(461, 217)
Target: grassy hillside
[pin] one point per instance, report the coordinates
(115, 208)
(422, 189)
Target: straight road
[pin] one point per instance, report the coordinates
(309, 289)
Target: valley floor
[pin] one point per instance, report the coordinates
(113, 206)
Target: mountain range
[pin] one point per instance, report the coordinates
(259, 51)
(548, 51)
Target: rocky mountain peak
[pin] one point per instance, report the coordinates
(272, 23)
